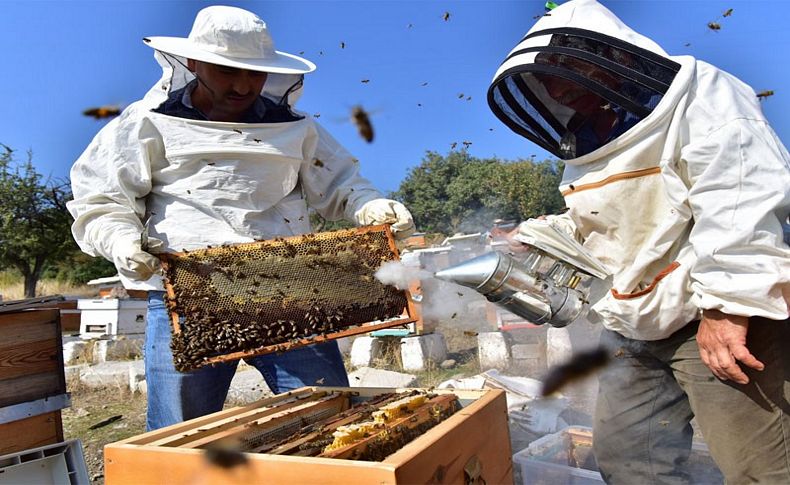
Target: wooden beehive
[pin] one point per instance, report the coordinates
(268, 296)
(32, 381)
(470, 446)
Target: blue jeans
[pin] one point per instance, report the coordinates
(179, 396)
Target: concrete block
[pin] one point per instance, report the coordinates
(527, 351)
(493, 350)
(137, 376)
(248, 386)
(364, 351)
(371, 377)
(74, 351)
(120, 348)
(418, 352)
(74, 371)
(558, 346)
(344, 344)
(106, 374)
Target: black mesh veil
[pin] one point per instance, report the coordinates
(578, 92)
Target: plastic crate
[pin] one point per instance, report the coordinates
(564, 458)
(61, 463)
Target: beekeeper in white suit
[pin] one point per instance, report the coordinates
(215, 154)
(677, 183)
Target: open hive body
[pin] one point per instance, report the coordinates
(447, 437)
(239, 301)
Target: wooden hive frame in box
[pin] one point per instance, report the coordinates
(470, 446)
(269, 296)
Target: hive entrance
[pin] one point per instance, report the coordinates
(249, 299)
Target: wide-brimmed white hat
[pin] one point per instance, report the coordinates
(230, 36)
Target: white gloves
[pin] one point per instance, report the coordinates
(134, 263)
(386, 211)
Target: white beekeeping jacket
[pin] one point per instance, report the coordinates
(208, 183)
(685, 205)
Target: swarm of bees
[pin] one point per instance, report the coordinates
(102, 112)
(267, 294)
(361, 120)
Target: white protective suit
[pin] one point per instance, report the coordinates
(685, 209)
(208, 183)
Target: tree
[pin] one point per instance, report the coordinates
(35, 227)
(463, 193)
(527, 188)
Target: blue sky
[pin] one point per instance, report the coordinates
(60, 58)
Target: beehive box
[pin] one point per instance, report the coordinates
(470, 446)
(250, 299)
(32, 381)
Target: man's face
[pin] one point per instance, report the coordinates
(571, 94)
(225, 93)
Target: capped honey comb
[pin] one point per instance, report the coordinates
(249, 299)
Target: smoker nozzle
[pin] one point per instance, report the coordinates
(507, 282)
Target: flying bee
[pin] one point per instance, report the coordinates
(764, 94)
(362, 121)
(469, 333)
(225, 457)
(342, 45)
(446, 16)
(453, 145)
(580, 365)
(425, 83)
(365, 81)
(460, 95)
(727, 12)
(317, 115)
(714, 26)
(237, 131)
(107, 111)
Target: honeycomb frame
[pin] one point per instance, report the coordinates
(249, 299)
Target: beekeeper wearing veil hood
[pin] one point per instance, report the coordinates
(675, 181)
(215, 154)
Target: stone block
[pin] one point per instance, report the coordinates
(120, 348)
(364, 351)
(493, 350)
(74, 352)
(371, 377)
(527, 351)
(344, 344)
(417, 353)
(137, 376)
(106, 374)
(248, 386)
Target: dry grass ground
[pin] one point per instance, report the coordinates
(13, 289)
(91, 406)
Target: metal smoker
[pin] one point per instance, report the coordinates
(555, 281)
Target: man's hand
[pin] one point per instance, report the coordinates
(722, 344)
(134, 263)
(515, 246)
(386, 211)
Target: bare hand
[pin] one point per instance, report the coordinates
(514, 245)
(722, 344)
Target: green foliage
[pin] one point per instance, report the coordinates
(78, 268)
(463, 193)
